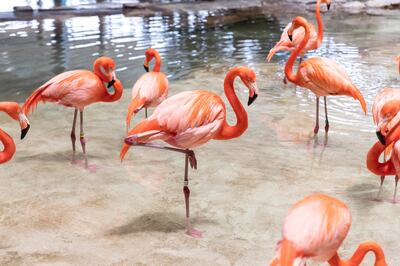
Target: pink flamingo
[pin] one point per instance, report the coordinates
(320, 75)
(14, 111)
(78, 89)
(315, 229)
(150, 89)
(192, 118)
(285, 44)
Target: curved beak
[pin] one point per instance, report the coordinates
(24, 123)
(146, 67)
(111, 83)
(24, 131)
(328, 6)
(253, 92)
(290, 37)
(381, 137)
(252, 98)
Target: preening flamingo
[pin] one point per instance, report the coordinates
(315, 229)
(78, 89)
(150, 89)
(285, 44)
(192, 118)
(15, 112)
(320, 75)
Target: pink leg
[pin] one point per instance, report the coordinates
(316, 128)
(396, 180)
(190, 159)
(326, 117)
(380, 188)
(73, 137)
(82, 139)
(145, 111)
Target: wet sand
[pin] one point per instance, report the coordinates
(52, 212)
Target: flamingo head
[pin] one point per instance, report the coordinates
(389, 112)
(150, 54)
(327, 2)
(248, 77)
(15, 112)
(104, 67)
(296, 23)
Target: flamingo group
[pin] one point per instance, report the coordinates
(317, 225)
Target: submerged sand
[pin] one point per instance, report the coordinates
(132, 213)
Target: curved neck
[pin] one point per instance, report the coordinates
(97, 69)
(9, 147)
(292, 58)
(373, 163)
(227, 131)
(118, 89)
(359, 255)
(319, 22)
(157, 65)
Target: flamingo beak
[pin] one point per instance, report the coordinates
(290, 37)
(24, 131)
(381, 137)
(253, 92)
(252, 98)
(328, 6)
(146, 67)
(111, 83)
(24, 123)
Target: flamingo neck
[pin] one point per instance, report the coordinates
(359, 255)
(97, 69)
(320, 23)
(227, 131)
(292, 58)
(9, 147)
(373, 164)
(157, 65)
(118, 89)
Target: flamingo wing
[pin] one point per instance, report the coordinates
(326, 77)
(151, 86)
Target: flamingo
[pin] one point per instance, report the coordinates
(78, 89)
(320, 75)
(150, 89)
(192, 118)
(315, 229)
(15, 112)
(285, 44)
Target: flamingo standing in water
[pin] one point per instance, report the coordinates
(150, 89)
(78, 89)
(192, 118)
(320, 75)
(15, 112)
(315, 229)
(314, 42)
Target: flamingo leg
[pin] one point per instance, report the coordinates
(145, 111)
(73, 137)
(82, 139)
(326, 117)
(190, 159)
(396, 180)
(316, 128)
(380, 188)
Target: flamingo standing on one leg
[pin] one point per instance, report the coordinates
(15, 112)
(315, 229)
(150, 89)
(285, 44)
(192, 118)
(320, 75)
(78, 89)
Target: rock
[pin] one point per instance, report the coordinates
(383, 3)
(23, 9)
(354, 7)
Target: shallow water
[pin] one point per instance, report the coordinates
(53, 212)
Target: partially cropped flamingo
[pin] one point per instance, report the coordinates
(285, 44)
(150, 89)
(315, 229)
(320, 75)
(13, 110)
(78, 89)
(192, 118)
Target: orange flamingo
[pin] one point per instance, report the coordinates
(285, 44)
(320, 75)
(15, 112)
(315, 229)
(150, 89)
(78, 89)
(192, 118)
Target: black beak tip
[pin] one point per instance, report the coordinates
(111, 83)
(290, 37)
(24, 131)
(328, 6)
(381, 137)
(252, 99)
(146, 68)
